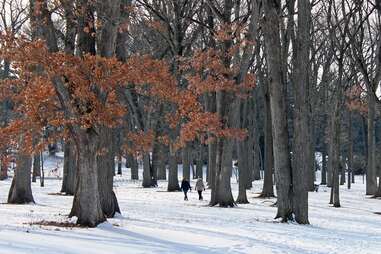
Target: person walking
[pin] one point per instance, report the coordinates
(200, 187)
(185, 186)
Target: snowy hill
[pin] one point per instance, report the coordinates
(155, 221)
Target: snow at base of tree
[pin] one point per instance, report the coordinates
(155, 221)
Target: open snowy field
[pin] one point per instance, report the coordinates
(155, 221)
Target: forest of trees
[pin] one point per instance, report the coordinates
(267, 85)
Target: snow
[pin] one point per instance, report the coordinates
(155, 221)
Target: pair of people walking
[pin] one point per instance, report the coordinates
(185, 187)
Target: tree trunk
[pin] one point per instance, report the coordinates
(282, 163)
(146, 170)
(212, 153)
(350, 151)
(21, 190)
(342, 170)
(173, 178)
(42, 177)
(133, 165)
(256, 158)
(199, 162)
(119, 164)
(4, 170)
(330, 156)
(106, 170)
(87, 202)
(268, 185)
(155, 159)
(371, 179)
(223, 195)
(335, 143)
(69, 168)
(162, 171)
(302, 177)
(324, 167)
(243, 173)
(186, 162)
(221, 190)
(36, 167)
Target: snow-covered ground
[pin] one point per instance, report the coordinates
(155, 221)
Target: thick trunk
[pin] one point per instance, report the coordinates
(282, 163)
(146, 170)
(224, 197)
(371, 179)
(161, 170)
(268, 189)
(256, 159)
(186, 161)
(324, 167)
(173, 178)
(330, 156)
(335, 149)
(342, 170)
(212, 146)
(42, 177)
(247, 156)
(212, 153)
(4, 170)
(378, 193)
(119, 164)
(87, 202)
(69, 169)
(156, 159)
(36, 167)
(350, 150)
(302, 177)
(243, 173)
(133, 165)
(105, 170)
(85, 39)
(221, 190)
(199, 162)
(21, 190)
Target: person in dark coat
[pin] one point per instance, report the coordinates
(185, 187)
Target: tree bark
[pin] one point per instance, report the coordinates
(146, 170)
(69, 168)
(36, 171)
(223, 196)
(210, 100)
(133, 165)
(350, 150)
(173, 178)
(371, 178)
(335, 140)
(301, 171)
(268, 185)
(4, 170)
(282, 163)
(162, 170)
(21, 190)
(342, 170)
(243, 173)
(330, 156)
(106, 170)
(324, 167)
(186, 162)
(87, 202)
(119, 164)
(199, 162)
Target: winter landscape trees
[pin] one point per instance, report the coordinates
(286, 91)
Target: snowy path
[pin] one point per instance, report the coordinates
(155, 221)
